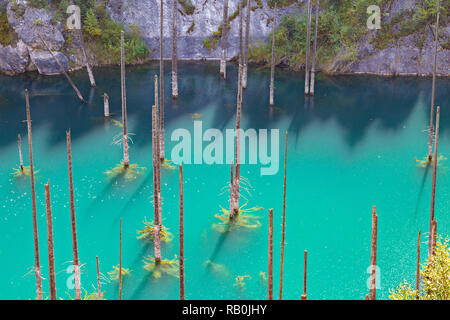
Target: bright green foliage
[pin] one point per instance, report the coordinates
(91, 25)
(435, 277)
(7, 33)
(188, 7)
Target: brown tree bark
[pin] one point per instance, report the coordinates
(373, 256)
(182, 294)
(305, 264)
(283, 232)
(76, 262)
(433, 186)
(174, 51)
(51, 256)
(308, 47)
(37, 264)
(126, 152)
(418, 268)
(223, 60)
(270, 266)
(120, 260)
(314, 57)
(98, 280)
(433, 88)
(272, 66)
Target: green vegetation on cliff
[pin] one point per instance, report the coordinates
(7, 34)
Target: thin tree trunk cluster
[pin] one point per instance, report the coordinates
(310, 78)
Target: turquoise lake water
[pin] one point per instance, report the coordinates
(350, 147)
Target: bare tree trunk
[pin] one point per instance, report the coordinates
(272, 67)
(314, 57)
(433, 89)
(433, 247)
(182, 296)
(283, 233)
(126, 152)
(37, 264)
(418, 268)
(19, 142)
(373, 256)
(232, 190)
(308, 48)
(156, 200)
(88, 66)
(174, 51)
(433, 187)
(120, 260)
(98, 280)
(76, 263)
(161, 81)
(64, 71)
(158, 152)
(305, 264)
(51, 256)
(106, 105)
(223, 60)
(270, 267)
(247, 39)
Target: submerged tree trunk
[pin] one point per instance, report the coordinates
(236, 183)
(182, 295)
(272, 66)
(305, 265)
(51, 256)
(283, 232)
(247, 39)
(174, 51)
(156, 198)
(433, 88)
(106, 105)
(433, 187)
(157, 151)
(126, 152)
(373, 256)
(37, 264)
(308, 48)
(88, 66)
(314, 57)
(270, 267)
(223, 60)
(161, 81)
(76, 263)
(19, 142)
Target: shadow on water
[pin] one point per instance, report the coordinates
(220, 242)
(354, 102)
(422, 186)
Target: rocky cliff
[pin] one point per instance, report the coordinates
(27, 53)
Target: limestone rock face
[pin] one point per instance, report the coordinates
(31, 23)
(193, 29)
(46, 64)
(14, 59)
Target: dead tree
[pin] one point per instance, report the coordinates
(51, 256)
(19, 142)
(305, 264)
(37, 264)
(433, 186)
(433, 88)
(246, 43)
(161, 81)
(76, 262)
(283, 232)
(156, 195)
(126, 152)
(223, 60)
(182, 295)
(314, 56)
(272, 66)
(174, 51)
(270, 266)
(373, 256)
